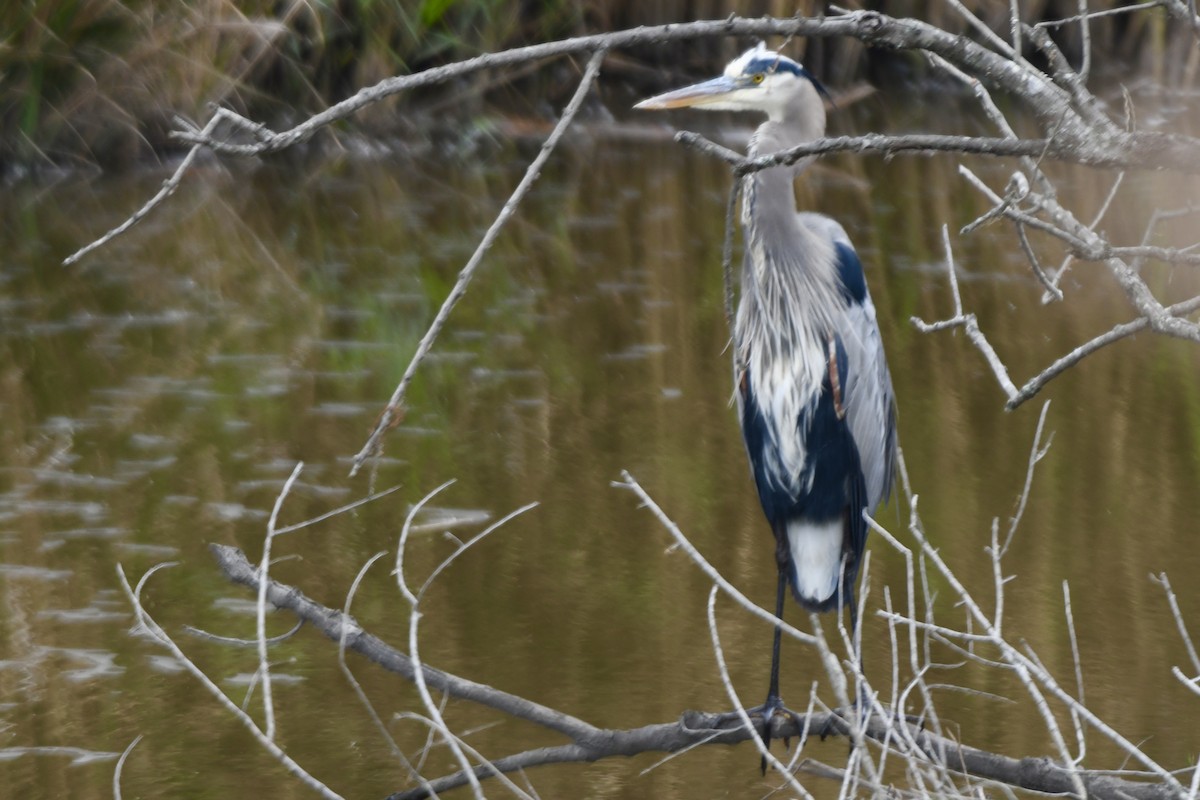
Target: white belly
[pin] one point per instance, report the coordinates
(816, 558)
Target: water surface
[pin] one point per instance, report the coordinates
(156, 398)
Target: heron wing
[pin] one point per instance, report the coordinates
(869, 398)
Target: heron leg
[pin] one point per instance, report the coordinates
(774, 703)
(780, 592)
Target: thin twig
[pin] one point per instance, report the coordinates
(159, 635)
(238, 642)
(731, 692)
(1052, 291)
(337, 511)
(628, 482)
(434, 711)
(436, 717)
(264, 668)
(1084, 15)
(394, 405)
(1036, 453)
(116, 781)
(1070, 616)
(1085, 36)
(357, 687)
(168, 188)
(1061, 365)
(968, 323)
(1177, 615)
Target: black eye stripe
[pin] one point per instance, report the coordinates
(776, 63)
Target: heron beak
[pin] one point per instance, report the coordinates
(700, 94)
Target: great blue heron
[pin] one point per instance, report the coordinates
(812, 385)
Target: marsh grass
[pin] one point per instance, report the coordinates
(98, 82)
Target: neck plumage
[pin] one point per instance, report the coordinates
(769, 193)
(789, 283)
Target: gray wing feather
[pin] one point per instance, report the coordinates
(869, 399)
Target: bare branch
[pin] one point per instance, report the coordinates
(116, 781)
(1085, 35)
(1177, 615)
(1096, 154)
(436, 720)
(1038, 382)
(982, 28)
(1080, 738)
(739, 708)
(335, 512)
(357, 687)
(330, 622)
(264, 666)
(1083, 102)
(1036, 453)
(168, 188)
(1052, 291)
(1086, 243)
(1036, 680)
(1084, 15)
(161, 637)
(1094, 141)
(968, 323)
(590, 743)
(237, 642)
(395, 404)
(709, 570)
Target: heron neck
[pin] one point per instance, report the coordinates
(789, 285)
(770, 192)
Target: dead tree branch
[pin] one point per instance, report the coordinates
(590, 743)
(395, 405)
(1096, 140)
(1108, 155)
(967, 322)
(1075, 128)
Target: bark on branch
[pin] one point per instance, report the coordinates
(1127, 151)
(1067, 115)
(1075, 127)
(693, 728)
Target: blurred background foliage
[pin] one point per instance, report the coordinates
(98, 82)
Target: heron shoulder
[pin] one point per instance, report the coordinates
(848, 265)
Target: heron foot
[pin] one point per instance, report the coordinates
(835, 722)
(766, 713)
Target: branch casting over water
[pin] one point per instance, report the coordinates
(693, 728)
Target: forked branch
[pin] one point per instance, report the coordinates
(694, 728)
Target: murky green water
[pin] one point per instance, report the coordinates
(155, 399)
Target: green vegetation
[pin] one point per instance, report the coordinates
(99, 81)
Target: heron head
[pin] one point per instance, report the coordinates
(757, 80)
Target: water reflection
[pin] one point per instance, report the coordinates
(157, 399)
(77, 757)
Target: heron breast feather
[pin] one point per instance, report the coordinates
(786, 391)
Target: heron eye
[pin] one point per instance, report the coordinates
(757, 78)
